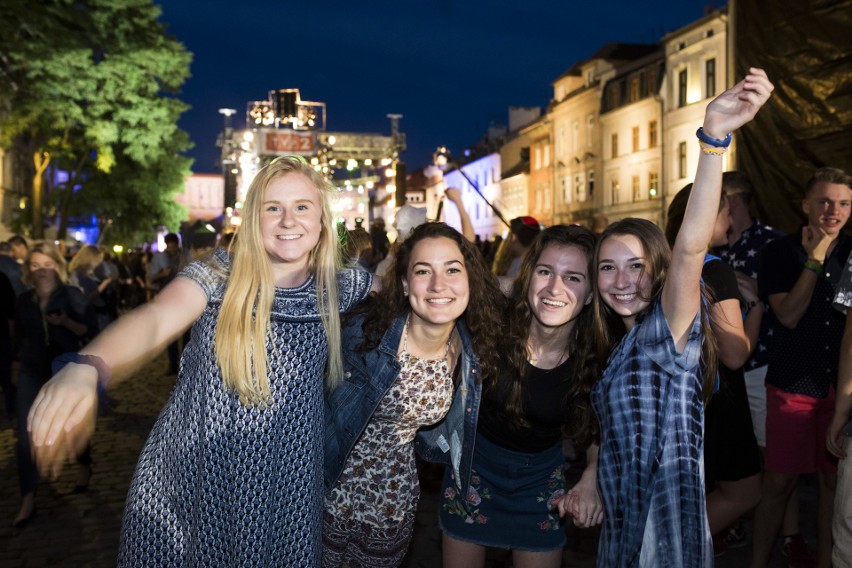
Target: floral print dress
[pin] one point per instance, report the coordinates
(369, 514)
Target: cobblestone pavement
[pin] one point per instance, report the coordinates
(83, 530)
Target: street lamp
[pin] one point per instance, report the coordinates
(443, 159)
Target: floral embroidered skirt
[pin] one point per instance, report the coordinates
(511, 502)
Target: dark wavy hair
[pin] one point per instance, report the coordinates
(609, 326)
(582, 424)
(483, 315)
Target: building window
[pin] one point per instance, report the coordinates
(653, 185)
(634, 184)
(634, 89)
(615, 145)
(710, 77)
(580, 187)
(681, 88)
(590, 176)
(590, 128)
(635, 138)
(681, 160)
(614, 189)
(575, 136)
(652, 134)
(546, 155)
(566, 189)
(536, 158)
(651, 82)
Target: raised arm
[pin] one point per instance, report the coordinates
(726, 113)
(63, 411)
(454, 195)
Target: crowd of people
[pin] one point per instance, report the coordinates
(322, 363)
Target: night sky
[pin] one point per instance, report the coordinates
(451, 68)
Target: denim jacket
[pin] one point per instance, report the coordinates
(368, 376)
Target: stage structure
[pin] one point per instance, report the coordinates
(362, 166)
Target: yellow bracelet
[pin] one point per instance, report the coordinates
(709, 149)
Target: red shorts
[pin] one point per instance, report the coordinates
(795, 432)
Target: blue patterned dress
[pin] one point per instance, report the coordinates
(223, 484)
(650, 466)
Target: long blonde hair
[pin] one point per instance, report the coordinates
(244, 317)
(86, 259)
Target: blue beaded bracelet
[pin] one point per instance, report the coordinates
(719, 143)
(103, 370)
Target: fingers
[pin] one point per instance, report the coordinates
(833, 446)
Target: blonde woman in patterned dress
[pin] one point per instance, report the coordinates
(410, 372)
(230, 474)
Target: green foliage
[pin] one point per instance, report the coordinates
(93, 83)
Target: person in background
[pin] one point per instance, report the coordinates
(838, 438)
(507, 261)
(231, 474)
(82, 274)
(731, 455)
(381, 244)
(798, 275)
(358, 249)
(51, 318)
(162, 270)
(409, 217)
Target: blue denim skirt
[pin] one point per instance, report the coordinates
(511, 502)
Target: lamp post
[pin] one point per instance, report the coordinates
(443, 159)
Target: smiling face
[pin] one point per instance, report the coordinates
(623, 281)
(291, 220)
(827, 206)
(436, 282)
(43, 270)
(559, 287)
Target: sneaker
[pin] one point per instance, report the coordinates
(736, 537)
(797, 553)
(719, 544)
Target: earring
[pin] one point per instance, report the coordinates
(405, 293)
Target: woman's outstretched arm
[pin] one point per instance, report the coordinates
(727, 112)
(62, 416)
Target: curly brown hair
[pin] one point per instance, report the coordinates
(582, 424)
(483, 315)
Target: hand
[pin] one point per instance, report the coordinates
(62, 418)
(747, 286)
(835, 436)
(583, 503)
(815, 242)
(58, 318)
(738, 105)
(453, 195)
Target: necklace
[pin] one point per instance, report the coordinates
(405, 341)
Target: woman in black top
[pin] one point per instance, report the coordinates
(731, 455)
(52, 318)
(517, 490)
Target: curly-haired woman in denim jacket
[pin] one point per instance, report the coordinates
(410, 372)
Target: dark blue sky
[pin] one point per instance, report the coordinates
(450, 67)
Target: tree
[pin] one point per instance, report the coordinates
(86, 83)
(133, 200)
